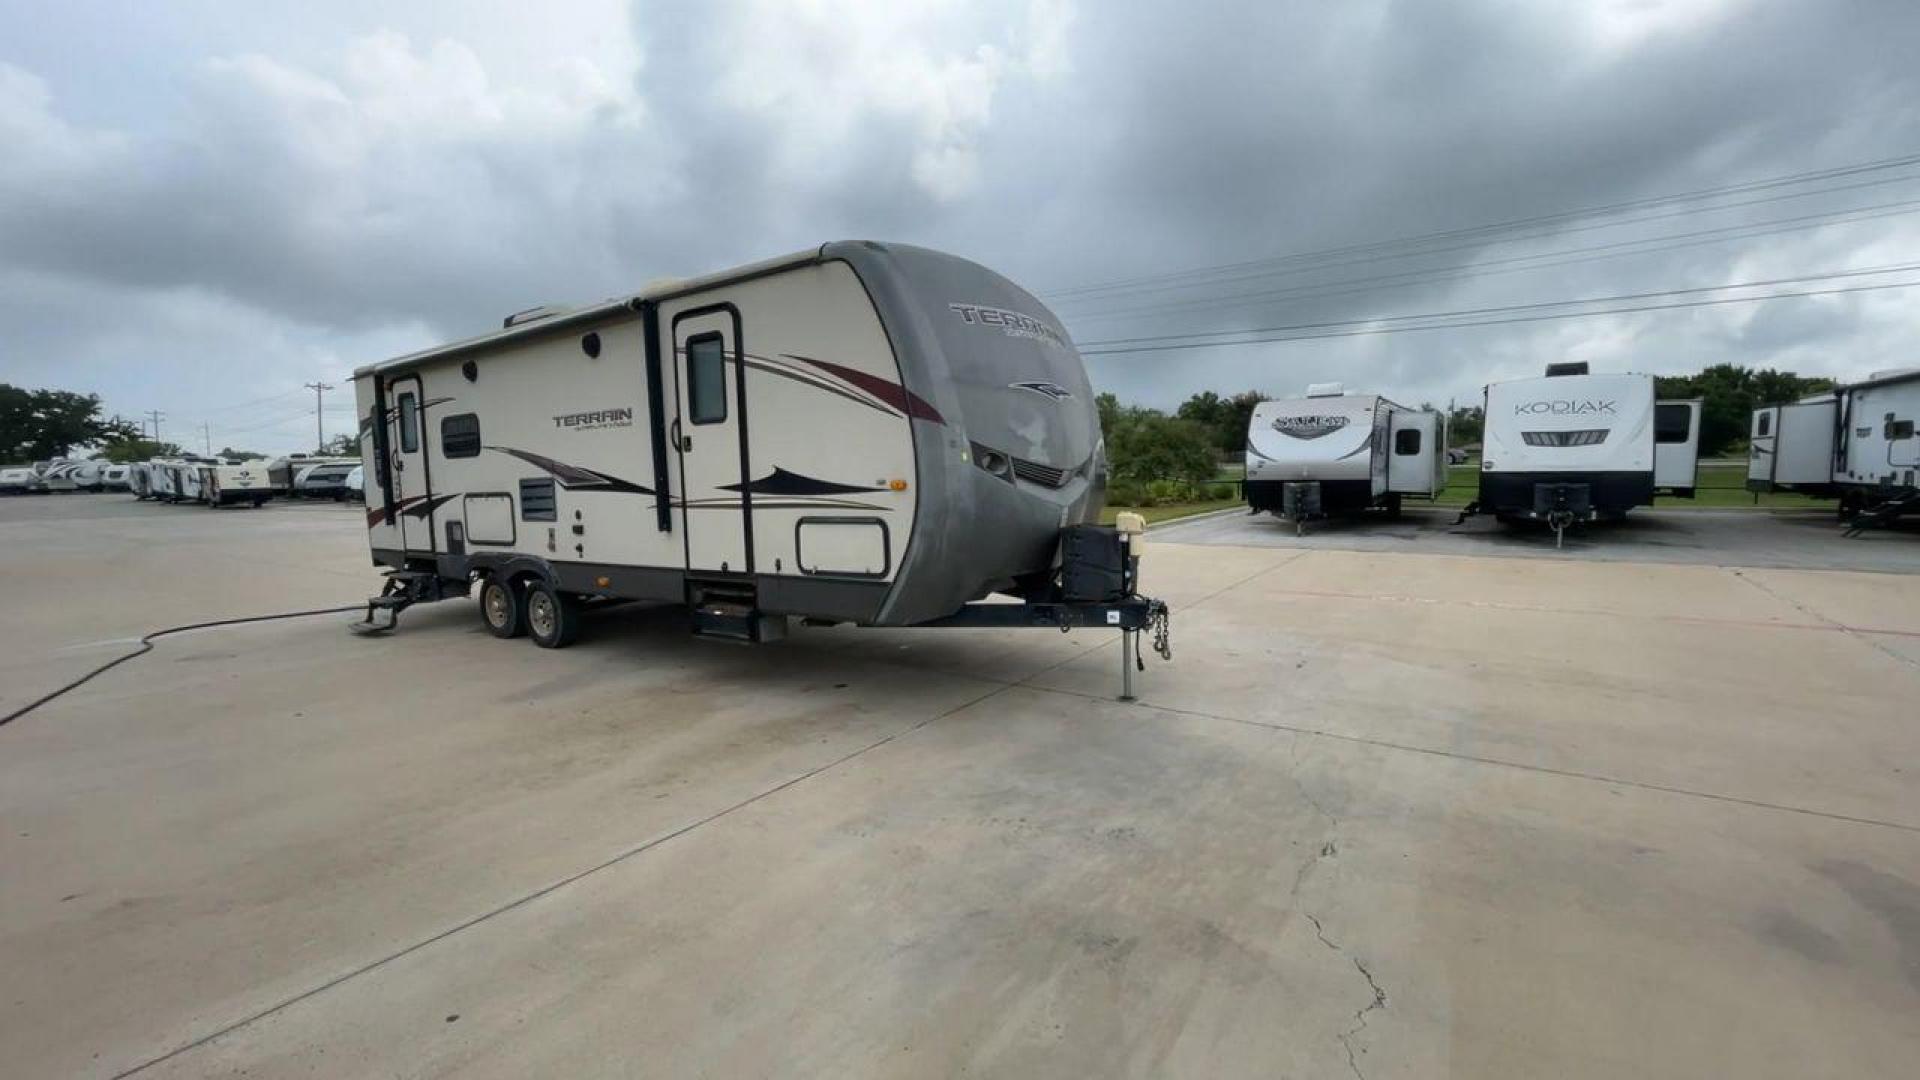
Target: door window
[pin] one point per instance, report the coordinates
(1672, 423)
(1406, 441)
(409, 417)
(1765, 426)
(706, 379)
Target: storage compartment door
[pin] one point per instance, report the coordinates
(843, 547)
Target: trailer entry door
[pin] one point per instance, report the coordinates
(708, 436)
(408, 448)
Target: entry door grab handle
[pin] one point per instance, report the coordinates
(682, 445)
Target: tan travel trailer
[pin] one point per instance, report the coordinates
(863, 433)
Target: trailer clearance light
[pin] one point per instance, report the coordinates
(897, 485)
(1591, 437)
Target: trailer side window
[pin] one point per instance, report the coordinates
(1765, 426)
(1899, 429)
(460, 435)
(1406, 441)
(409, 424)
(1672, 423)
(706, 379)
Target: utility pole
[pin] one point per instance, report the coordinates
(319, 432)
(206, 433)
(157, 416)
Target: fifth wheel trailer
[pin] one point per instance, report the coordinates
(1572, 446)
(1331, 452)
(863, 433)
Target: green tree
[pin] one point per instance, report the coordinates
(1729, 393)
(122, 451)
(1147, 446)
(343, 445)
(1466, 425)
(231, 454)
(39, 424)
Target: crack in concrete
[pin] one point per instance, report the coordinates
(1378, 1001)
(1852, 632)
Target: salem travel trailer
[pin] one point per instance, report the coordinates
(1573, 446)
(1331, 452)
(864, 433)
(1857, 444)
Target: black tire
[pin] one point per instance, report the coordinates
(553, 618)
(503, 608)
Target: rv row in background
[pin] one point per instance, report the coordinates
(1573, 446)
(208, 481)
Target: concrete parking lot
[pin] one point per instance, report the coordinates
(1789, 539)
(1388, 813)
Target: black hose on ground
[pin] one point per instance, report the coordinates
(146, 646)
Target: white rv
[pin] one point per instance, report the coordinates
(1856, 444)
(19, 481)
(1574, 446)
(57, 476)
(228, 483)
(114, 477)
(1332, 452)
(864, 433)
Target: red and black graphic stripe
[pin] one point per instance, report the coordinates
(894, 394)
(576, 477)
(419, 506)
(782, 482)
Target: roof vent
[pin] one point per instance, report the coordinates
(532, 314)
(1326, 389)
(1571, 367)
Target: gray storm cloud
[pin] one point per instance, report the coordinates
(254, 204)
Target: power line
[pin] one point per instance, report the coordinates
(1502, 226)
(1825, 275)
(1821, 217)
(1371, 330)
(1538, 261)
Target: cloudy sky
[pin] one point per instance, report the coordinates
(205, 204)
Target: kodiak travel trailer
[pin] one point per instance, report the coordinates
(1572, 447)
(1857, 444)
(1331, 452)
(862, 433)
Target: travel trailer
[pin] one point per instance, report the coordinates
(1572, 446)
(1856, 444)
(327, 480)
(282, 472)
(21, 481)
(140, 479)
(230, 483)
(863, 433)
(1332, 452)
(56, 475)
(114, 477)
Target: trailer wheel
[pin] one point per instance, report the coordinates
(553, 620)
(502, 608)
